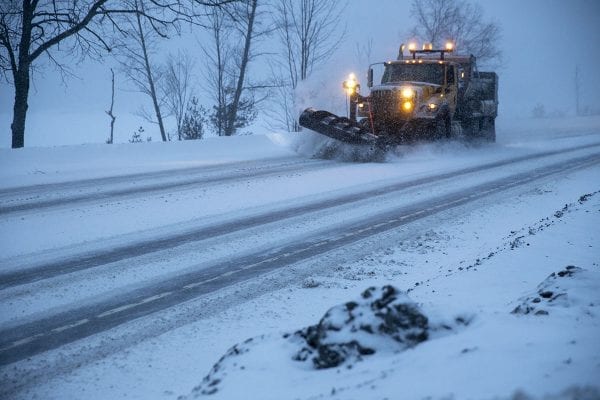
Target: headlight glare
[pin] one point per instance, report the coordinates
(407, 93)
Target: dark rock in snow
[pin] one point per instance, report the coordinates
(210, 383)
(586, 197)
(552, 291)
(356, 328)
(381, 319)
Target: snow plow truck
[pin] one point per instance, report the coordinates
(427, 94)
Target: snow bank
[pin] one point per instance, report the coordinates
(381, 320)
(571, 287)
(35, 165)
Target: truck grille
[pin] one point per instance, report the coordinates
(387, 117)
(385, 103)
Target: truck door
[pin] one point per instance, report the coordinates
(451, 87)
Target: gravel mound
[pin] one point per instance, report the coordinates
(552, 292)
(381, 317)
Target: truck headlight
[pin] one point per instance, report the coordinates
(407, 93)
(407, 105)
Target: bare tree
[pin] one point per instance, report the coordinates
(246, 17)
(109, 112)
(176, 86)
(29, 29)
(215, 72)
(460, 21)
(234, 32)
(138, 45)
(217, 54)
(309, 33)
(32, 28)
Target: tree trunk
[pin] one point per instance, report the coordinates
(150, 78)
(110, 110)
(232, 114)
(20, 107)
(21, 78)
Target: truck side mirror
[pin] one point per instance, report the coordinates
(370, 78)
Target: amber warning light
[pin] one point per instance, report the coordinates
(351, 85)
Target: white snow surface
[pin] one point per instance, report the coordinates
(478, 260)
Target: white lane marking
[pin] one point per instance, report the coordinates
(293, 253)
(155, 297)
(196, 284)
(69, 326)
(455, 201)
(22, 341)
(249, 266)
(267, 260)
(131, 305)
(117, 309)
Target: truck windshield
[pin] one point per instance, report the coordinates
(430, 73)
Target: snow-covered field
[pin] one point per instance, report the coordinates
(477, 261)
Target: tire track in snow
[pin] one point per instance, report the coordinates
(28, 198)
(36, 337)
(80, 262)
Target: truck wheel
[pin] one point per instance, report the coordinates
(443, 128)
(470, 130)
(488, 129)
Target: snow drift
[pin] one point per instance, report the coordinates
(382, 319)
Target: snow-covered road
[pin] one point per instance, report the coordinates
(88, 261)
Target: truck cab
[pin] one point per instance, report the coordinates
(431, 95)
(428, 94)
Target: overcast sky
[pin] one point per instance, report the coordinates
(542, 41)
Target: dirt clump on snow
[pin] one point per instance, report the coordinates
(552, 292)
(358, 328)
(381, 319)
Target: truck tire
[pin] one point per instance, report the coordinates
(471, 129)
(488, 130)
(448, 123)
(442, 128)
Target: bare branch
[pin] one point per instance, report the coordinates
(460, 21)
(309, 34)
(94, 10)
